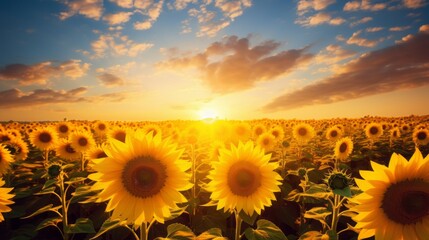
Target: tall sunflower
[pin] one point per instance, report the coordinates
(243, 179)
(65, 150)
(258, 129)
(278, 132)
(333, 133)
(393, 204)
(44, 138)
(343, 148)
(303, 132)
(373, 130)
(82, 141)
(421, 137)
(5, 197)
(141, 178)
(5, 159)
(64, 129)
(266, 141)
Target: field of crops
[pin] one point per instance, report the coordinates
(215, 179)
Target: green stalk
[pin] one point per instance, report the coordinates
(238, 222)
(335, 212)
(64, 206)
(144, 232)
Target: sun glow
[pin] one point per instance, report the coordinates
(208, 113)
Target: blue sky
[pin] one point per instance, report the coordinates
(237, 59)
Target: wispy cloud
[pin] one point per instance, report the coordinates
(150, 10)
(117, 18)
(364, 5)
(333, 54)
(123, 3)
(110, 80)
(89, 8)
(361, 21)
(401, 66)
(304, 6)
(233, 65)
(41, 73)
(116, 44)
(320, 18)
(374, 29)
(399, 29)
(414, 3)
(363, 42)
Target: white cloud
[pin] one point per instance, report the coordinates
(89, 8)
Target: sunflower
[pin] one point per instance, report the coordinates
(421, 137)
(395, 133)
(64, 129)
(393, 204)
(303, 132)
(266, 141)
(258, 129)
(44, 138)
(65, 150)
(373, 131)
(117, 133)
(100, 128)
(18, 148)
(278, 132)
(243, 179)
(241, 131)
(82, 141)
(5, 136)
(343, 148)
(141, 178)
(152, 128)
(5, 159)
(333, 133)
(5, 197)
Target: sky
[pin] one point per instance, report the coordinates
(155, 60)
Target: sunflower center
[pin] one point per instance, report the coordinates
(11, 149)
(258, 131)
(120, 136)
(63, 128)
(334, 133)
(275, 134)
(302, 131)
(144, 177)
(45, 137)
(343, 147)
(406, 202)
(83, 142)
(373, 130)
(421, 135)
(244, 178)
(5, 138)
(101, 155)
(101, 127)
(266, 141)
(69, 149)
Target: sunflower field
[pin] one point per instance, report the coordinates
(365, 178)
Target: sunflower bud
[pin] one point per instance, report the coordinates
(302, 172)
(338, 181)
(54, 170)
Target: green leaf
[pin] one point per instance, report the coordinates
(46, 208)
(48, 190)
(49, 183)
(345, 192)
(82, 225)
(109, 225)
(22, 193)
(265, 230)
(311, 235)
(318, 213)
(81, 193)
(177, 231)
(75, 180)
(212, 234)
(248, 219)
(49, 222)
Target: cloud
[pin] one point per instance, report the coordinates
(89, 8)
(413, 3)
(401, 66)
(361, 21)
(333, 54)
(363, 42)
(232, 65)
(117, 18)
(182, 4)
(116, 44)
(398, 29)
(41, 73)
(110, 80)
(318, 19)
(123, 3)
(151, 10)
(364, 5)
(304, 6)
(374, 29)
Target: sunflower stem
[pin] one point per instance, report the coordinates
(335, 214)
(144, 231)
(46, 153)
(63, 206)
(238, 222)
(82, 159)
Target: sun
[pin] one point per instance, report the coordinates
(208, 113)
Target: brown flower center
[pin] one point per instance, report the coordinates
(275, 134)
(406, 202)
(334, 133)
(421, 135)
(258, 131)
(64, 129)
(83, 141)
(144, 177)
(373, 130)
(69, 149)
(101, 154)
(302, 131)
(244, 178)
(101, 126)
(343, 147)
(45, 137)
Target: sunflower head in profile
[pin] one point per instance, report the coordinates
(303, 132)
(65, 150)
(44, 138)
(82, 141)
(154, 129)
(373, 131)
(117, 133)
(343, 148)
(18, 148)
(5, 197)
(421, 137)
(266, 141)
(243, 179)
(141, 178)
(5, 159)
(395, 133)
(394, 202)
